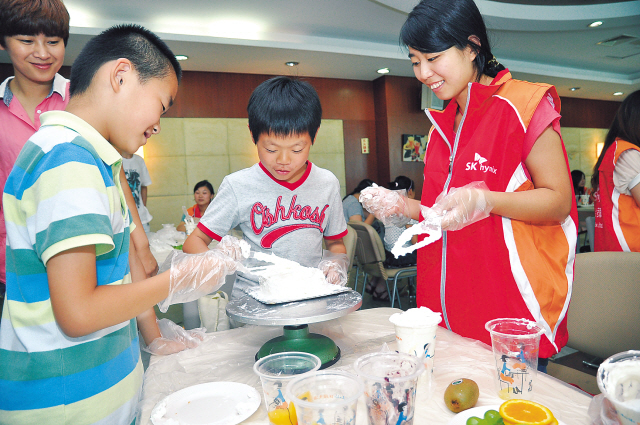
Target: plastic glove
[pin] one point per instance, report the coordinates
(196, 275)
(463, 206)
(235, 248)
(334, 266)
(389, 206)
(174, 339)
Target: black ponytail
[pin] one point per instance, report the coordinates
(402, 182)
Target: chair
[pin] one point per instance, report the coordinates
(350, 241)
(591, 230)
(604, 314)
(370, 257)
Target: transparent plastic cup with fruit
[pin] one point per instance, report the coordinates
(515, 344)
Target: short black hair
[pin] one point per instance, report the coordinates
(33, 17)
(150, 56)
(284, 106)
(204, 183)
(434, 26)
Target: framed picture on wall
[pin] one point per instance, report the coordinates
(413, 147)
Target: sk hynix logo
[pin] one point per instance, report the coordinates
(478, 165)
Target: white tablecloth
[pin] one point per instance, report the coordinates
(229, 356)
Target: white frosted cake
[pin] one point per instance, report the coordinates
(285, 280)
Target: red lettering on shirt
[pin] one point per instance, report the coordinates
(262, 217)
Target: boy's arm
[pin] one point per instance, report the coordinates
(147, 321)
(197, 242)
(143, 195)
(138, 236)
(81, 306)
(336, 246)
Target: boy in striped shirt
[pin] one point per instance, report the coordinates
(68, 337)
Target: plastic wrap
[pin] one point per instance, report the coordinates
(463, 206)
(602, 412)
(334, 266)
(196, 275)
(229, 356)
(162, 242)
(174, 339)
(389, 206)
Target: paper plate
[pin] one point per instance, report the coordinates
(461, 418)
(213, 403)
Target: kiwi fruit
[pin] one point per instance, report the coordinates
(461, 394)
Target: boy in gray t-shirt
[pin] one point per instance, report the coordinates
(284, 204)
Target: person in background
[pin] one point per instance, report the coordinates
(392, 233)
(579, 180)
(502, 190)
(284, 204)
(616, 182)
(69, 330)
(138, 177)
(352, 207)
(34, 34)
(203, 194)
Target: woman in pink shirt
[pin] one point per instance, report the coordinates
(34, 34)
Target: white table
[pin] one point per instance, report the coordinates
(229, 356)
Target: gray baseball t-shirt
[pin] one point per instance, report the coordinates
(287, 219)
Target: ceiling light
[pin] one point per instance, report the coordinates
(595, 24)
(182, 57)
(574, 88)
(618, 93)
(383, 71)
(292, 63)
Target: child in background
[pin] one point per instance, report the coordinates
(284, 204)
(34, 33)
(68, 337)
(616, 182)
(138, 178)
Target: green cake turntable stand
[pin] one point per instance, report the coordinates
(295, 317)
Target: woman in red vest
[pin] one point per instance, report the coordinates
(496, 171)
(615, 180)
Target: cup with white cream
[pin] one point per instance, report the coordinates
(619, 380)
(416, 334)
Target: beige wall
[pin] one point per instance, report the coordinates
(581, 148)
(188, 150)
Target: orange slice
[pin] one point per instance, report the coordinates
(526, 412)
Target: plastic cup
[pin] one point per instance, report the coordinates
(275, 372)
(619, 380)
(416, 334)
(515, 345)
(390, 383)
(328, 397)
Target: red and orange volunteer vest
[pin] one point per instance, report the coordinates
(497, 267)
(617, 214)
